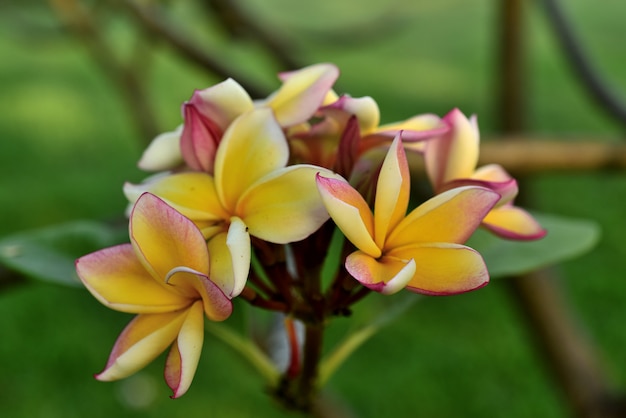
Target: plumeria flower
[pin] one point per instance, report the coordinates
(209, 113)
(421, 251)
(252, 192)
(349, 127)
(163, 276)
(451, 162)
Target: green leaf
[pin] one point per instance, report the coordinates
(247, 349)
(380, 310)
(567, 238)
(48, 254)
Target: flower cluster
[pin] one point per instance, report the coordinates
(242, 179)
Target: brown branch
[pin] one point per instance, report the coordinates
(153, 21)
(524, 156)
(511, 95)
(10, 278)
(566, 351)
(233, 18)
(80, 21)
(581, 64)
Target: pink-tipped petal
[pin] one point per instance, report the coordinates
(392, 192)
(514, 223)
(119, 281)
(164, 239)
(350, 213)
(143, 339)
(364, 108)
(415, 129)
(182, 360)
(252, 147)
(451, 216)
(455, 154)
(506, 189)
(163, 153)
(302, 93)
(217, 305)
(444, 269)
(222, 103)
(386, 275)
(491, 172)
(199, 139)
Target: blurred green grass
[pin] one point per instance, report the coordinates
(67, 144)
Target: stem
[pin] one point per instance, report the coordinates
(314, 337)
(299, 392)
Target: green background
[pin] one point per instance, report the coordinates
(67, 144)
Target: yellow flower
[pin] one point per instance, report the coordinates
(209, 113)
(163, 276)
(252, 192)
(421, 251)
(451, 162)
(348, 127)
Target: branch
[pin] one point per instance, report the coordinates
(80, 21)
(232, 17)
(154, 22)
(10, 278)
(570, 356)
(526, 156)
(581, 64)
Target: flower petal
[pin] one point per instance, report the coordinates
(238, 242)
(163, 153)
(223, 102)
(444, 269)
(514, 223)
(302, 93)
(506, 189)
(217, 305)
(164, 239)
(143, 339)
(491, 172)
(416, 128)
(392, 192)
(285, 205)
(455, 154)
(364, 108)
(451, 216)
(252, 147)
(199, 139)
(182, 360)
(192, 194)
(350, 212)
(386, 275)
(230, 258)
(119, 281)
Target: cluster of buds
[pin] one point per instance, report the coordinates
(245, 181)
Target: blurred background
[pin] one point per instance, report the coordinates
(84, 85)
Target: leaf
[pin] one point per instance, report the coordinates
(48, 254)
(385, 310)
(567, 238)
(247, 349)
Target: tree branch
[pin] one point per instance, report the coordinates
(532, 156)
(154, 22)
(81, 23)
